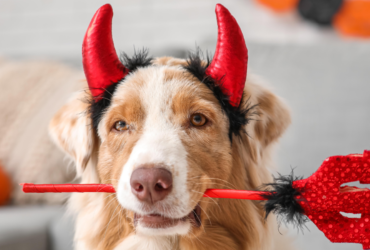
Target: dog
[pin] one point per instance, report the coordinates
(162, 131)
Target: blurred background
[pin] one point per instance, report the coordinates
(314, 54)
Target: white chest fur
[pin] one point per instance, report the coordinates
(138, 242)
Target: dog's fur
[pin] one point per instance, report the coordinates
(157, 101)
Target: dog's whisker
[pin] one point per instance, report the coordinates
(197, 238)
(107, 91)
(106, 228)
(209, 219)
(230, 185)
(214, 185)
(108, 197)
(119, 216)
(109, 203)
(212, 199)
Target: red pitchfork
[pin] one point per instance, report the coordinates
(320, 197)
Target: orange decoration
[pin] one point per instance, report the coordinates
(279, 5)
(353, 19)
(5, 187)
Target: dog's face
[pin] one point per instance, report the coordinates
(163, 131)
(164, 141)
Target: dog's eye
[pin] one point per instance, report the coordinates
(198, 120)
(120, 126)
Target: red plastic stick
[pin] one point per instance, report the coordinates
(107, 188)
(67, 188)
(234, 194)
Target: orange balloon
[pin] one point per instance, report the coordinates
(353, 19)
(5, 187)
(279, 5)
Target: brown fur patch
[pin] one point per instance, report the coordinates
(274, 118)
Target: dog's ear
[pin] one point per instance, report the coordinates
(272, 114)
(72, 130)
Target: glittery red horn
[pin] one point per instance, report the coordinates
(229, 64)
(100, 61)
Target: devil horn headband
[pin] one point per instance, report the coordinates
(229, 64)
(100, 61)
(103, 68)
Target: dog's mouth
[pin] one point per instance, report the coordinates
(158, 221)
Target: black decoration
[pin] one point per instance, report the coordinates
(319, 11)
(238, 117)
(139, 59)
(282, 201)
(97, 109)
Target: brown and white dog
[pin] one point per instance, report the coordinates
(162, 131)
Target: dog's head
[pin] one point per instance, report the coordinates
(164, 130)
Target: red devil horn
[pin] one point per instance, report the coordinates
(100, 61)
(229, 64)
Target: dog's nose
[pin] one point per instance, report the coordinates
(151, 184)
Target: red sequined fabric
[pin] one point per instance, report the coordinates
(230, 62)
(100, 61)
(323, 198)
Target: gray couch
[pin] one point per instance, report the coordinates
(35, 228)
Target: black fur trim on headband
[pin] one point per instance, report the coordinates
(139, 59)
(282, 200)
(97, 109)
(238, 116)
